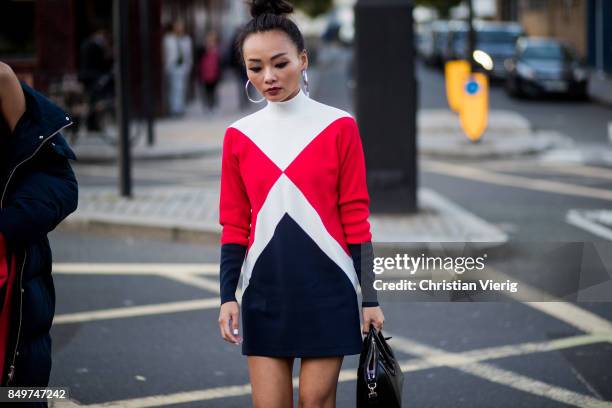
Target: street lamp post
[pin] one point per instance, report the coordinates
(122, 83)
(145, 46)
(385, 102)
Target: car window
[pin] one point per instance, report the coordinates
(497, 36)
(547, 52)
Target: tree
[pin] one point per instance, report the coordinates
(313, 7)
(443, 6)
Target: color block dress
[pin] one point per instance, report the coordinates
(294, 208)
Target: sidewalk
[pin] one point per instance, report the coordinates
(600, 88)
(508, 134)
(191, 214)
(196, 134)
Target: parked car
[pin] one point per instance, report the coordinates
(425, 43)
(440, 41)
(495, 43)
(544, 65)
(456, 33)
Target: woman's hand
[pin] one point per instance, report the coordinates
(373, 315)
(228, 322)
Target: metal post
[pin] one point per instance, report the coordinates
(122, 83)
(471, 35)
(385, 103)
(145, 46)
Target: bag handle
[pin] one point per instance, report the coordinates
(371, 372)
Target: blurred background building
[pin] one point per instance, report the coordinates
(42, 39)
(580, 23)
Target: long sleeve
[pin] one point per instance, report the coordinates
(354, 203)
(235, 217)
(232, 256)
(363, 260)
(354, 200)
(234, 204)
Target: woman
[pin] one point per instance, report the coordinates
(38, 189)
(178, 63)
(294, 200)
(210, 71)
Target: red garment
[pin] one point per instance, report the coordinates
(301, 157)
(6, 284)
(209, 66)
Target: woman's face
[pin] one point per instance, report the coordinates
(273, 64)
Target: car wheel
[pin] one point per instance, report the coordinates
(512, 88)
(582, 94)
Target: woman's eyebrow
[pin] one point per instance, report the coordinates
(276, 56)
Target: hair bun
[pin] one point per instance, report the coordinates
(278, 7)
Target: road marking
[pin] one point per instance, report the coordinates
(55, 403)
(431, 358)
(196, 281)
(575, 218)
(134, 311)
(561, 310)
(546, 167)
(89, 268)
(494, 374)
(467, 172)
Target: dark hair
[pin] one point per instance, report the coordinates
(269, 15)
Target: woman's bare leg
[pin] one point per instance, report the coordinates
(271, 381)
(12, 100)
(319, 381)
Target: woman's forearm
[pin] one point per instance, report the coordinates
(12, 100)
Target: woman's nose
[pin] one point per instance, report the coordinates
(269, 76)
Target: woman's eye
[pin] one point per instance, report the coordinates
(255, 69)
(281, 65)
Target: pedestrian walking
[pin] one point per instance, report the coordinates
(210, 70)
(294, 210)
(95, 67)
(178, 61)
(38, 190)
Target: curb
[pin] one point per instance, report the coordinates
(109, 155)
(492, 145)
(438, 220)
(172, 233)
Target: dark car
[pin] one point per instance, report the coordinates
(543, 66)
(440, 41)
(495, 43)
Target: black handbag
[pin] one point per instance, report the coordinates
(379, 377)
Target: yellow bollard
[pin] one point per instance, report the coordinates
(474, 111)
(455, 73)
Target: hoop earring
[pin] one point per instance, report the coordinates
(305, 78)
(246, 89)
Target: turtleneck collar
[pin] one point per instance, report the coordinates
(290, 106)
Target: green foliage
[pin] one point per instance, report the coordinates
(443, 6)
(313, 7)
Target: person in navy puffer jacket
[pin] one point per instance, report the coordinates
(38, 189)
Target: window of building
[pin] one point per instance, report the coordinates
(17, 29)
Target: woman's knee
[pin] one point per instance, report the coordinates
(271, 381)
(317, 400)
(318, 382)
